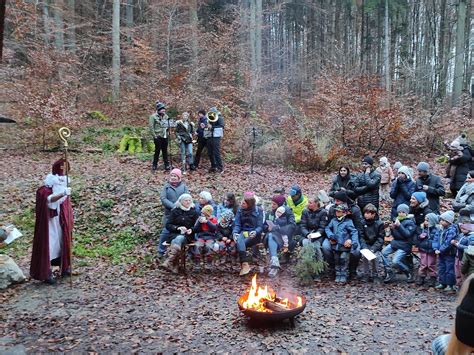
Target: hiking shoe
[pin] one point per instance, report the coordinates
(51, 280)
(273, 272)
(449, 289)
(245, 269)
(440, 287)
(154, 168)
(410, 278)
(343, 279)
(388, 278)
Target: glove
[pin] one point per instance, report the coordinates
(67, 191)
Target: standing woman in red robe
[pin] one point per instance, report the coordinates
(53, 227)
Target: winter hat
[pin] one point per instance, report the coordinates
(213, 109)
(397, 165)
(206, 195)
(467, 226)
(278, 199)
(447, 216)
(423, 166)
(455, 145)
(295, 190)
(177, 172)
(207, 210)
(370, 208)
(462, 139)
(227, 217)
(464, 322)
(405, 170)
(160, 105)
(341, 196)
(323, 196)
(383, 160)
(342, 207)
(419, 195)
(433, 219)
(403, 208)
(279, 190)
(280, 211)
(368, 159)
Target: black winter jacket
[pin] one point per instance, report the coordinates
(403, 235)
(462, 168)
(347, 183)
(180, 218)
(435, 190)
(313, 221)
(373, 236)
(419, 215)
(367, 189)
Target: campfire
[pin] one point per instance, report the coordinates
(264, 303)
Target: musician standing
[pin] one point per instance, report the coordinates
(216, 126)
(159, 128)
(201, 139)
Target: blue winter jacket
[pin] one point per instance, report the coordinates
(446, 236)
(463, 243)
(404, 234)
(248, 220)
(401, 192)
(430, 242)
(340, 231)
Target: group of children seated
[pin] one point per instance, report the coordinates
(340, 233)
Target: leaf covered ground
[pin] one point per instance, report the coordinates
(121, 301)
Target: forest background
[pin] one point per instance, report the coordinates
(320, 79)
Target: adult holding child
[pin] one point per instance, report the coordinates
(430, 184)
(367, 184)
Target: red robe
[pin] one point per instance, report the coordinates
(40, 261)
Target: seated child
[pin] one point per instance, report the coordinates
(224, 234)
(428, 242)
(205, 229)
(343, 237)
(403, 231)
(372, 239)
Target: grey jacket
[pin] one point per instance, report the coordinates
(169, 195)
(158, 125)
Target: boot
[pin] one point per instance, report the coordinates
(410, 277)
(167, 166)
(171, 262)
(389, 276)
(431, 282)
(440, 287)
(274, 266)
(245, 269)
(343, 277)
(192, 167)
(420, 281)
(449, 289)
(51, 280)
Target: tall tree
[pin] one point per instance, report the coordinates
(2, 26)
(387, 50)
(116, 50)
(460, 48)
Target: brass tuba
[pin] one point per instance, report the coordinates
(212, 116)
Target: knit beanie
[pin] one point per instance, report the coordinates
(341, 196)
(403, 208)
(397, 165)
(384, 160)
(405, 170)
(447, 216)
(206, 195)
(462, 139)
(368, 159)
(279, 199)
(207, 210)
(177, 172)
(467, 226)
(455, 145)
(464, 323)
(433, 219)
(423, 166)
(420, 196)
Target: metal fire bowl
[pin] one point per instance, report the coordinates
(271, 316)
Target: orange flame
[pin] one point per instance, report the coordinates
(257, 296)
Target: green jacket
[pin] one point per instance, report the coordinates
(467, 264)
(158, 126)
(297, 209)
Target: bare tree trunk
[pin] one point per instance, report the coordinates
(168, 42)
(58, 25)
(71, 28)
(460, 43)
(129, 19)
(2, 25)
(252, 38)
(116, 50)
(46, 22)
(442, 62)
(387, 51)
(193, 12)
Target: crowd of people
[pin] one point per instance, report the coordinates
(343, 224)
(206, 133)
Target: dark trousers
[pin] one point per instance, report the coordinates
(446, 270)
(161, 144)
(341, 262)
(201, 144)
(214, 150)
